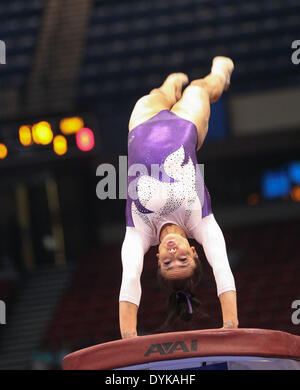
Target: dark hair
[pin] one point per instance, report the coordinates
(181, 290)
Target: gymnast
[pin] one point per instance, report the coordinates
(166, 208)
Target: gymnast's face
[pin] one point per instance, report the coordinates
(176, 257)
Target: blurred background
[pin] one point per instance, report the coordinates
(70, 74)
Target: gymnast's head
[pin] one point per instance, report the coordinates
(180, 271)
(177, 260)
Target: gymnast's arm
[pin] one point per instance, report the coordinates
(209, 234)
(132, 253)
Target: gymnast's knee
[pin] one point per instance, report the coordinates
(211, 90)
(158, 91)
(161, 96)
(198, 83)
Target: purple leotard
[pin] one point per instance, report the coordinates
(152, 142)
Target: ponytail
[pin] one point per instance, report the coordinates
(182, 302)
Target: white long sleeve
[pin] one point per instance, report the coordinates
(210, 236)
(133, 250)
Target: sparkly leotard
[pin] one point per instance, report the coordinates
(170, 187)
(165, 185)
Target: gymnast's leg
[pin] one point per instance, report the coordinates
(194, 105)
(159, 99)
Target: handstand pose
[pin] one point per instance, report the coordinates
(166, 129)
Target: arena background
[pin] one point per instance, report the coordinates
(60, 265)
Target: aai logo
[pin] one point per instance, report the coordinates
(171, 347)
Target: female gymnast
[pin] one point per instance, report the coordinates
(168, 203)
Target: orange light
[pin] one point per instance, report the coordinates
(3, 151)
(25, 136)
(85, 139)
(253, 199)
(71, 125)
(42, 133)
(60, 145)
(295, 194)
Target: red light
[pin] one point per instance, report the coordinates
(85, 139)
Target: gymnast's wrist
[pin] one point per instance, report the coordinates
(129, 334)
(231, 324)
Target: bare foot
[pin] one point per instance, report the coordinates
(223, 66)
